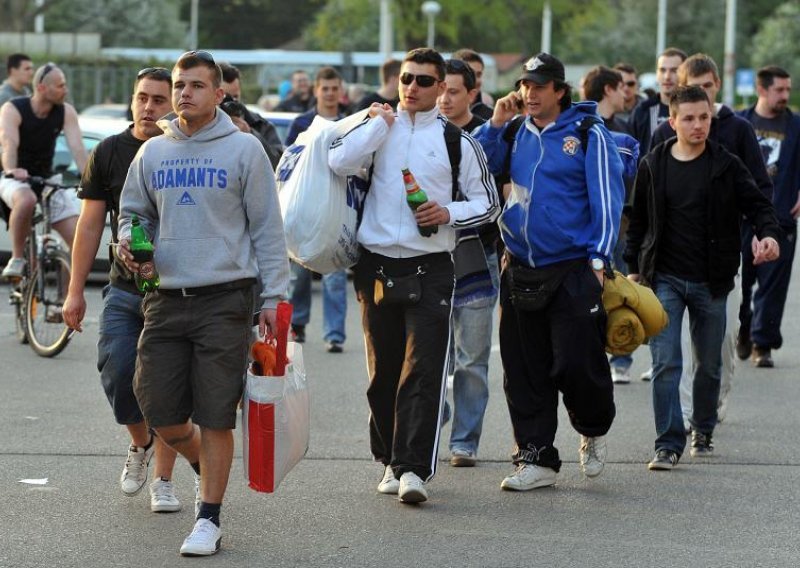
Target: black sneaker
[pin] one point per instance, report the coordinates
(664, 460)
(762, 357)
(743, 344)
(334, 347)
(701, 445)
(298, 333)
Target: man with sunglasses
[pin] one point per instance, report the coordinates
(29, 127)
(205, 194)
(559, 226)
(630, 87)
(407, 341)
(121, 320)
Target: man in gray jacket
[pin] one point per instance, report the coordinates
(204, 194)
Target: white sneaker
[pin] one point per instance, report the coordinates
(162, 497)
(204, 540)
(411, 489)
(529, 476)
(620, 376)
(198, 498)
(134, 474)
(647, 375)
(592, 454)
(14, 269)
(389, 485)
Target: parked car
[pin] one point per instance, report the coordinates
(93, 131)
(106, 110)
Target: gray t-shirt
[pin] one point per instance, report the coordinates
(771, 133)
(8, 92)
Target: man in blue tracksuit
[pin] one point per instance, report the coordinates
(559, 227)
(778, 132)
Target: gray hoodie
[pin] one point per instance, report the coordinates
(210, 205)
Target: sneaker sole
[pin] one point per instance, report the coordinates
(592, 474)
(460, 461)
(537, 485)
(660, 467)
(696, 454)
(389, 490)
(621, 382)
(201, 552)
(166, 508)
(133, 494)
(413, 496)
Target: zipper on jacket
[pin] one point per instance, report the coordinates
(530, 201)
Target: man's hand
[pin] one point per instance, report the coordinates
(19, 174)
(384, 110)
(795, 211)
(765, 250)
(267, 321)
(123, 252)
(431, 213)
(506, 108)
(73, 310)
(634, 277)
(241, 124)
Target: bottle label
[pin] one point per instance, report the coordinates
(147, 270)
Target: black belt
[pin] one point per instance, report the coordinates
(211, 289)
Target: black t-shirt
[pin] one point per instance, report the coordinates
(370, 98)
(683, 249)
(771, 132)
(103, 180)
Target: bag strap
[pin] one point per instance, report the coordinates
(583, 129)
(452, 139)
(509, 135)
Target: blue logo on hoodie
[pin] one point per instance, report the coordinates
(186, 199)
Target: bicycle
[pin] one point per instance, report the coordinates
(38, 296)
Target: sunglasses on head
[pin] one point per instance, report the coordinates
(155, 72)
(423, 81)
(200, 54)
(47, 68)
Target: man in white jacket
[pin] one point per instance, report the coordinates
(407, 339)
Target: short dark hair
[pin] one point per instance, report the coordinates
(15, 60)
(698, 64)
(390, 68)
(566, 99)
(686, 94)
(596, 81)
(623, 67)
(673, 52)
(426, 55)
(154, 73)
(200, 58)
(229, 72)
(766, 75)
(468, 55)
(326, 73)
(461, 67)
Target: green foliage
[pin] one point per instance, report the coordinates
(776, 42)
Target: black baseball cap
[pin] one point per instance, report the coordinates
(542, 69)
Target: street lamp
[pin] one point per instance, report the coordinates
(431, 9)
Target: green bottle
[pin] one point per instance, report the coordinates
(142, 249)
(415, 197)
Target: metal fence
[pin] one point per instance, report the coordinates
(95, 84)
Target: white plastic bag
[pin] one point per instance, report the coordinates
(319, 208)
(275, 423)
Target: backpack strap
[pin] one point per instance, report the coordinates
(452, 139)
(583, 129)
(509, 135)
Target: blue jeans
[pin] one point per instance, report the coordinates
(334, 301)
(472, 333)
(121, 323)
(707, 328)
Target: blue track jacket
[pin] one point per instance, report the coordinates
(565, 201)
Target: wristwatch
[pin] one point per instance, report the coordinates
(597, 264)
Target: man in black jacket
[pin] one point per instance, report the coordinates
(684, 242)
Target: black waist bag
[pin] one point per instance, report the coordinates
(398, 290)
(533, 288)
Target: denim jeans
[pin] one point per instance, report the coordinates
(121, 323)
(334, 301)
(472, 333)
(707, 329)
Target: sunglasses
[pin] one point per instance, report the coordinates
(155, 72)
(423, 81)
(47, 68)
(200, 54)
(630, 83)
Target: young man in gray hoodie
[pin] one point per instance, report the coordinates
(205, 195)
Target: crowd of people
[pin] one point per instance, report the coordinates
(532, 201)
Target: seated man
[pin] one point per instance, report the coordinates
(28, 131)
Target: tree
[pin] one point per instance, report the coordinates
(18, 15)
(776, 41)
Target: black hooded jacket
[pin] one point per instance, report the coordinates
(731, 194)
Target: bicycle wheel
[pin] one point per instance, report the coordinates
(47, 333)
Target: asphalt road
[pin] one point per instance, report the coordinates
(740, 508)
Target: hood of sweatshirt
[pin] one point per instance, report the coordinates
(219, 127)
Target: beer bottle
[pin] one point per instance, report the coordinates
(142, 250)
(415, 197)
